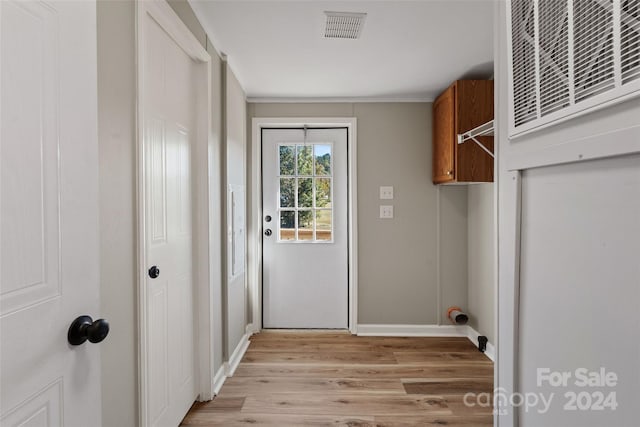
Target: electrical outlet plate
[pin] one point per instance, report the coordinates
(386, 211)
(386, 193)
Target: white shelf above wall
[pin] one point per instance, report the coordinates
(472, 135)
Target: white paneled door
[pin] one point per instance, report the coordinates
(305, 228)
(49, 263)
(168, 93)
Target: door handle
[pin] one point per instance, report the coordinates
(84, 328)
(267, 232)
(154, 272)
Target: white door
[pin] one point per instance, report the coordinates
(169, 132)
(49, 264)
(305, 245)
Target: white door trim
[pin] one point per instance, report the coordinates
(204, 272)
(255, 225)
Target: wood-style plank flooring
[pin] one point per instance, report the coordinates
(293, 378)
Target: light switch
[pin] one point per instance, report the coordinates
(386, 193)
(386, 211)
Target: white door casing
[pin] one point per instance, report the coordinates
(49, 213)
(173, 208)
(255, 223)
(305, 258)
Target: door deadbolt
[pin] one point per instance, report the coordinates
(267, 218)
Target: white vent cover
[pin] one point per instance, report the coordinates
(570, 56)
(343, 25)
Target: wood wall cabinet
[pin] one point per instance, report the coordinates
(463, 106)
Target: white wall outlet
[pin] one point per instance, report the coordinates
(386, 211)
(386, 193)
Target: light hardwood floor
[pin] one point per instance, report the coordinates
(290, 378)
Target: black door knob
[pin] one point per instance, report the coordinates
(154, 272)
(84, 328)
(267, 218)
(267, 232)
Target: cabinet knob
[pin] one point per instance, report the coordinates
(449, 172)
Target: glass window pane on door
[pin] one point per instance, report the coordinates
(323, 225)
(287, 154)
(323, 192)
(322, 155)
(305, 193)
(305, 225)
(287, 225)
(287, 192)
(305, 160)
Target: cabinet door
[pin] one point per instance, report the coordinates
(443, 136)
(474, 107)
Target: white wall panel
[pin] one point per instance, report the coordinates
(580, 284)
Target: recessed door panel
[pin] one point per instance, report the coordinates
(49, 261)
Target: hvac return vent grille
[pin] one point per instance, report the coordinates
(568, 57)
(343, 25)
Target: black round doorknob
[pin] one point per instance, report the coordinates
(267, 232)
(84, 328)
(267, 218)
(154, 272)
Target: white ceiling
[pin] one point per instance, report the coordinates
(408, 50)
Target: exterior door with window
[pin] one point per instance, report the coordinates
(305, 224)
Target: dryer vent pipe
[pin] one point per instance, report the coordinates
(457, 316)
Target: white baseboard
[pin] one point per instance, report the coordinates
(236, 356)
(251, 329)
(473, 335)
(412, 330)
(229, 368)
(426, 331)
(219, 379)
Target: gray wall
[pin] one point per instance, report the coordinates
(453, 249)
(118, 270)
(184, 11)
(118, 231)
(481, 255)
(235, 119)
(398, 258)
(217, 163)
(216, 210)
(229, 150)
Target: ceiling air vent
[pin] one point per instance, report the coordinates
(344, 25)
